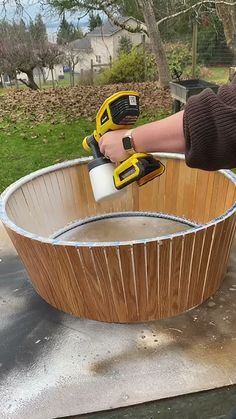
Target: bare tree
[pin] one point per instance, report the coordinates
(227, 14)
(156, 42)
(72, 58)
(49, 55)
(21, 52)
(17, 53)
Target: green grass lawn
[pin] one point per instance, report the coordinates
(26, 147)
(218, 75)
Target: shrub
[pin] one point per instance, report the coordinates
(179, 57)
(135, 66)
(138, 66)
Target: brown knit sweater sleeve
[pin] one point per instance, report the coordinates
(210, 129)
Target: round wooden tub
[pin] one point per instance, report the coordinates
(129, 281)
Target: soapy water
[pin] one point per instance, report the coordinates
(117, 227)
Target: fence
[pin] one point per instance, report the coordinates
(85, 76)
(99, 66)
(210, 52)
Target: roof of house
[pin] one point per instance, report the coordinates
(81, 44)
(108, 28)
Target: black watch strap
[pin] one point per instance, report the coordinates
(128, 143)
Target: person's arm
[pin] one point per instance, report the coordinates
(205, 132)
(210, 129)
(164, 135)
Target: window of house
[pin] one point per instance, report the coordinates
(98, 59)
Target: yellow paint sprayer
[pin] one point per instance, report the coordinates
(119, 111)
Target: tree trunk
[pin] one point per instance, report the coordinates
(39, 75)
(16, 80)
(156, 42)
(70, 73)
(2, 81)
(44, 76)
(194, 49)
(53, 80)
(31, 83)
(73, 75)
(227, 15)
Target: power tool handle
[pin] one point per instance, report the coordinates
(93, 144)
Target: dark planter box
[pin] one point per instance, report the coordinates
(182, 90)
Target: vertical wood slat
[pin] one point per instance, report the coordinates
(185, 271)
(174, 194)
(126, 260)
(147, 202)
(102, 274)
(141, 278)
(79, 192)
(40, 226)
(229, 233)
(193, 297)
(164, 263)
(133, 282)
(92, 306)
(208, 197)
(161, 196)
(203, 263)
(176, 275)
(40, 277)
(116, 291)
(21, 210)
(231, 196)
(198, 203)
(215, 193)
(223, 190)
(181, 208)
(93, 281)
(45, 205)
(152, 260)
(58, 200)
(212, 280)
(171, 174)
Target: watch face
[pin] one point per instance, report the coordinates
(127, 144)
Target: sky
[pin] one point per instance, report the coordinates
(32, 7)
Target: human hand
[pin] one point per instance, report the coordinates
(111, 146)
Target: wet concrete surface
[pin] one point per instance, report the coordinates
(211, 404)
(55, 365)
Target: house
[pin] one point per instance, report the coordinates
(102, 44)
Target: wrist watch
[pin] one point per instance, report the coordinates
(128, 143)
